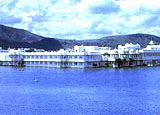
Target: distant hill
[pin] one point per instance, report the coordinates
(18, 35)
(12, 37)
(142, 39)
(114, 41)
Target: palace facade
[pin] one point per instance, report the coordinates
(84, 56)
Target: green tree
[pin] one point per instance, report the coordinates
(119, 62)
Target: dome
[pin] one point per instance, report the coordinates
(151, 42)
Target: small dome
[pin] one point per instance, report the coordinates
(151, 42)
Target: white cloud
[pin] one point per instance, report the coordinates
(82, 19)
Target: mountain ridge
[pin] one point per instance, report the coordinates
(13, 37)
(18, 35)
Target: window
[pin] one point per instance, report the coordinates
(75, 63)
(80, 57)
(75, 56)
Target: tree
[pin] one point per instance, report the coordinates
(131, 61)
(119, 62)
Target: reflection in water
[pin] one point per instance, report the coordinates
(105, 91)
(19, 68)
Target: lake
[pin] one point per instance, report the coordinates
(97, 91)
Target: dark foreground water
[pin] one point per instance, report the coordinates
(100, 91)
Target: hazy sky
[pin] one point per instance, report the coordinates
(82, 19)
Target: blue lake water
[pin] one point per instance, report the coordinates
(98, 91)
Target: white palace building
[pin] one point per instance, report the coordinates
(84, 56)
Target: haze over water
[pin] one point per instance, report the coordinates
(98, 91)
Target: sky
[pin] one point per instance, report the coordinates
(82, 19)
